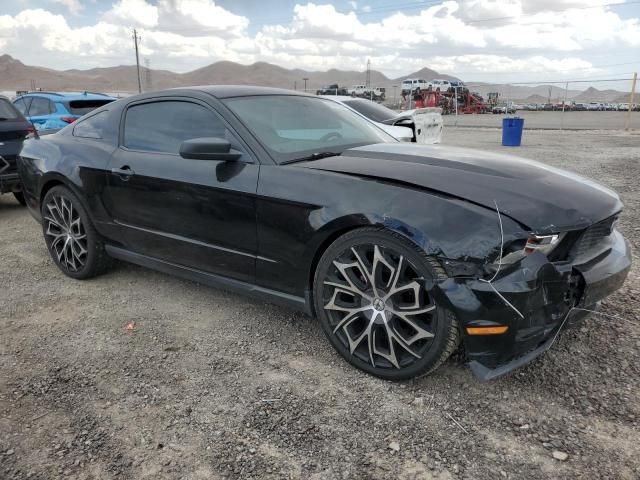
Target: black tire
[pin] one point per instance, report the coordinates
(83, 235)
(19, 196)
(378, 330)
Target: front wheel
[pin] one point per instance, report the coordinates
(72, 241)
(373, 296)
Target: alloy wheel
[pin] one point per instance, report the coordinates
(378, 307)
(65, 233)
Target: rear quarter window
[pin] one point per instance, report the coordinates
(82, 107)
(92, 127)
(8, 111)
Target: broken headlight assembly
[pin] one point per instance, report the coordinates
(517, 250)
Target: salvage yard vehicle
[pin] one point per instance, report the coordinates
(332, 89)
(362, 91)
(504, 108)
(412, 85)
(400, 250)
(14, 128)
(422, 125)
(440, 85)
(54, 110)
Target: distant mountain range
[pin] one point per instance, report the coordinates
(14, 75)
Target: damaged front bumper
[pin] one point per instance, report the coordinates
(534, 299)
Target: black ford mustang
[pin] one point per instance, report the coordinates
(401, 251)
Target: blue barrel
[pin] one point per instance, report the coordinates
(512, 131)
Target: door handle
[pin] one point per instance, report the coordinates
(124, 172)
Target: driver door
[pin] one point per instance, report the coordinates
(195, 213)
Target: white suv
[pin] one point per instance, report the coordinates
(440, 85)
(412, 84)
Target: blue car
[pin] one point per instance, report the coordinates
(55, 110)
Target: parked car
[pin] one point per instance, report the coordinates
(504, 108)
(580, 107)
(357, 90)
(362, 91)
(623, 107)
(54, 110)
(531, 106)
(14, 128)
(332, 89)
(595, 106)
(423, 125)
(379, 93)
(412, 85)
(440, 85)
(458, 87)
(400, 250)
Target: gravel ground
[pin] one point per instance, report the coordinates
(212, 385)
(552, 120)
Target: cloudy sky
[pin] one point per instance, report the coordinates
(484, 40)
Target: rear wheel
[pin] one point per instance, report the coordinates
(372, 294)
(71, 238)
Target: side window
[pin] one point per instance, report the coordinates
(22, 104)
(39, 106)
(163, 126)
(91, 127)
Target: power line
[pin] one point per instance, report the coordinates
(553, 11)
(520, 71)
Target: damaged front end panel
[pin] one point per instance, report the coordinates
(534, 297)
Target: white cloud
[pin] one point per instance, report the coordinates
(536, 36)
(133, 13)
(74, 6)
(199, 18)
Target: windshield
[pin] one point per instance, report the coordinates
(371, 110)
(292, 127)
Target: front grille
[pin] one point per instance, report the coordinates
(594, 234)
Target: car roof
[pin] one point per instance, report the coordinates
(341, 98)
(228, 91)
(57, 96)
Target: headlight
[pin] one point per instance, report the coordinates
(535, 243)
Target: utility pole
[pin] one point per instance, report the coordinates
(135, 41)
(631, 99)
(368, 78)
(147, 75)
(305, 83)
(564, 104)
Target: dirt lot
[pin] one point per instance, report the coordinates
(212, 385)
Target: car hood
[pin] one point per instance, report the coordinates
(543, 198)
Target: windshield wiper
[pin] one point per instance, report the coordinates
(2, 119)
(313, 156)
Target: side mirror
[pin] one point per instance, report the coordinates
(210, 148)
